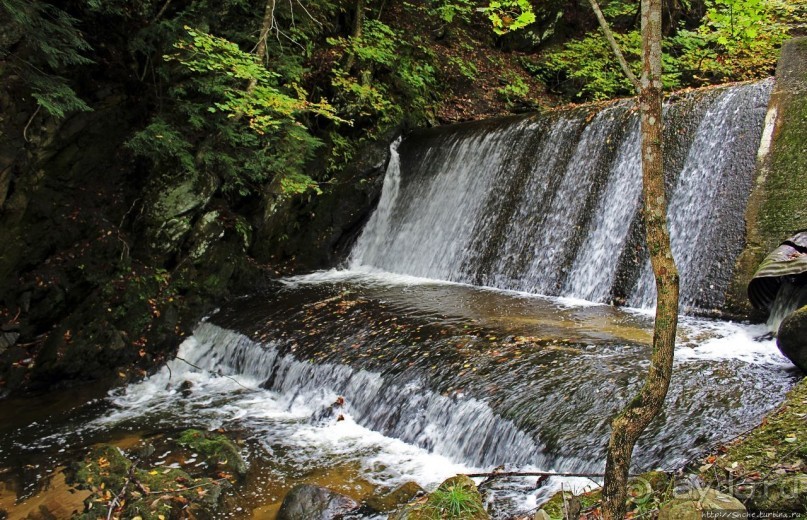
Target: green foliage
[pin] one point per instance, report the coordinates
(163, 143)
(450, 10)
(587, 67)
(232, 116)
(465, 68)
(737, 39)
(514, 90)
(390, 72)
(52, 42)
(733, 40)
(454, 502)
(509, 15)
(243, 87)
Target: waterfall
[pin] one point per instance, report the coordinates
(550, 204)
(716, 174)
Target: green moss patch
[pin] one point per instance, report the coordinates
(767, 469)
(120, 489)
(455, 499)
(217, 450)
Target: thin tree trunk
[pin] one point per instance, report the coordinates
(632, 421)
(260, 49)
(614, 45)
(358, 25)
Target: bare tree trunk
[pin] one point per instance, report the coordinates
(260, 49)
(358, 25)
(632, 421)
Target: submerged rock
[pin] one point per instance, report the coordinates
(308, 502)
(792, 338)
(691, 505)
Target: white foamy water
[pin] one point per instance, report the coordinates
(223, 398)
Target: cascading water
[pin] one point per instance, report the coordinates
(711, 193)
(511, 207)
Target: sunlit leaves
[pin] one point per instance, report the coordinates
(509, 15)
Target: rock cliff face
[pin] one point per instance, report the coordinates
(776, 209)
(105, 265)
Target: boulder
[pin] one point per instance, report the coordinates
(216, 449)
(394, 499)
(307, 502)
(455, 499)
(171, 208)
(792, 338)
(692, 504)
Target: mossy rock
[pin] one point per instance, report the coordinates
(215, 448)
(455, 499)
(641, 489)
(777, 450)
(555, 507)
(394, 499)
(788, 493)
(792, 338)
(104, 467)
(691, 505)
(150, 494)
(308, 502)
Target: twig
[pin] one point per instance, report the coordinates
(309, 14)
(222, 375)
(145, 68)
(30, 120)
(117, 498)
(162, 11)
(127, 213)
(563, 497)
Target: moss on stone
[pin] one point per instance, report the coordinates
(215, 448)
(148, 493)
(455, 499)
(767, 467)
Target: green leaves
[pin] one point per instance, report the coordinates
(51, 43)
(509, 15)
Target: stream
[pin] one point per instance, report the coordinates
(438, 378)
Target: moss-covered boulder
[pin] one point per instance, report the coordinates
(217, 450)
(792, 338)
(692, 505)
(141, 492)
(396, 498)
(767, 469)
(171, 206)
(455, 499)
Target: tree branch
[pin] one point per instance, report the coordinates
(615, 46)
